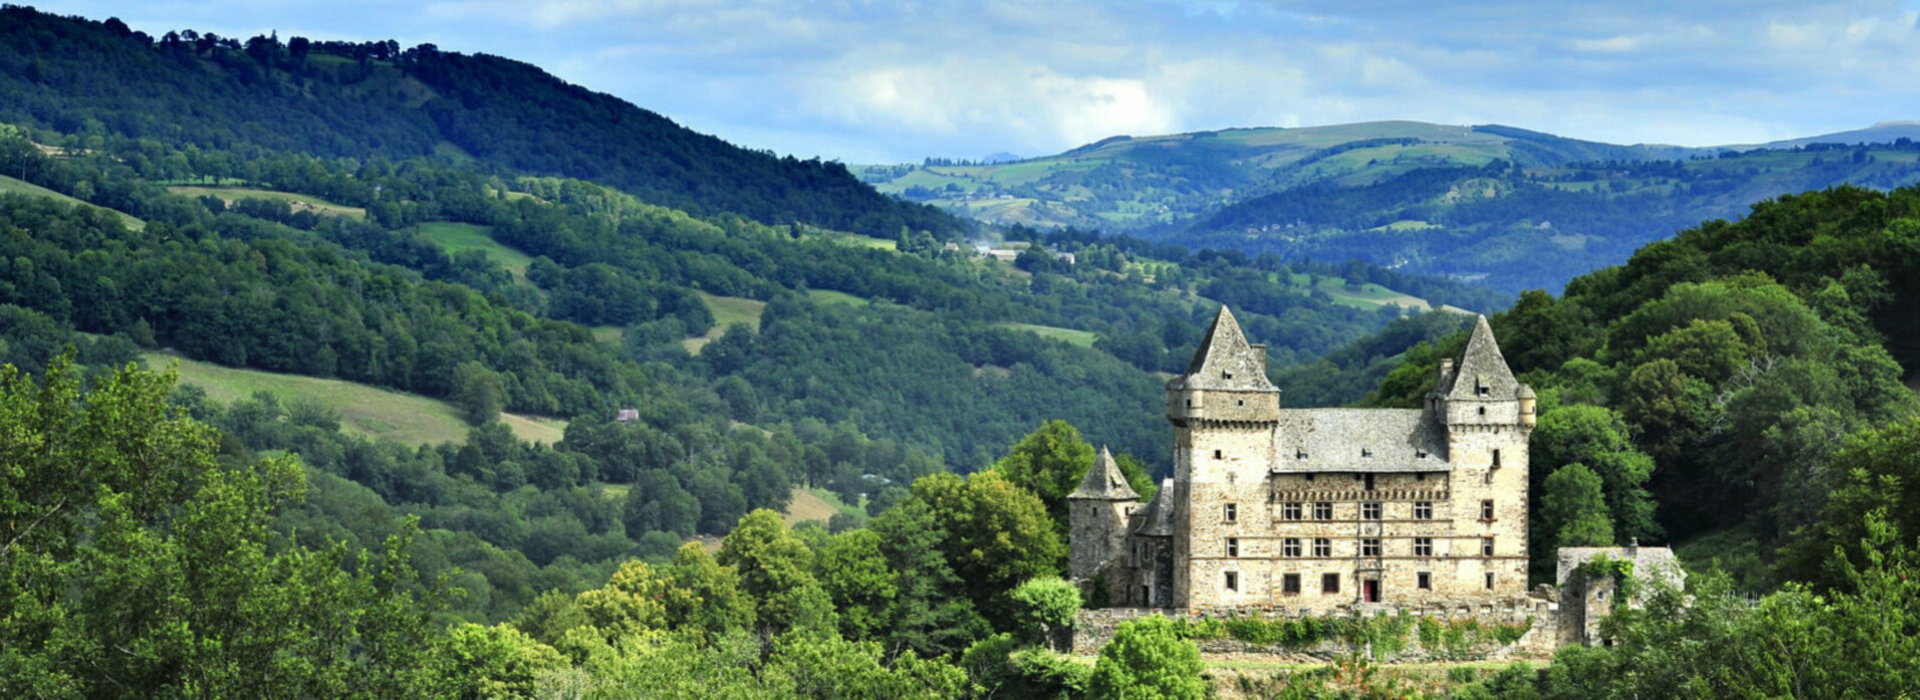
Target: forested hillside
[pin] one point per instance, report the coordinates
(1723, 389)
(95, 80)
(754, 358)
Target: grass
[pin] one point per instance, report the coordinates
(828, 296)
(299, 201)
(457, 238)
(1080, 338)
(726, 312)
(364, 410)
(819, 504)
(608, 334)
(11, 186)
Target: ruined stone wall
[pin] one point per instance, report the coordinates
(1441, 638)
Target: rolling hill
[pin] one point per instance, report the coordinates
(1507, 207)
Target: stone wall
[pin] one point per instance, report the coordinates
(1094, 628)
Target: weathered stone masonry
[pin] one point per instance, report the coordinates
(1318, 507)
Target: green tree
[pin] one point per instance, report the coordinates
(1596, 437)
(998, 535)
(1572, 513)
(1049, 462)
(1148, 659)
(1046, 604)
(776, 571)
(478, 392)
(856, 576)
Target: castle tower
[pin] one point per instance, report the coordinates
(1097, 515)
(1225, 415)
(1488, 415)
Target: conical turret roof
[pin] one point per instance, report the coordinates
(1481, 371)
(1104, 481)
(1225, 360)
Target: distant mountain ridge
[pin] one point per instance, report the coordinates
(1510, 207)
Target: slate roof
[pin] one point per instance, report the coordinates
(1480, 365)
(1357, 440)
(1104, 481)
(1226, 361)
(1157, 519)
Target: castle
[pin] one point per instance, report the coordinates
(1313, 508)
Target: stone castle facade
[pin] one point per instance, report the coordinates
(1317, 508)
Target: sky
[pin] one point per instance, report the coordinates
(886, 81)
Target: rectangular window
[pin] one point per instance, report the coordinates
(1424, 580)
(1233, 546)
(1486, 547)
(1489, 580)
(1370, 547)
(1369, 482)
(1322, 547)
(1496, 457)
(1423, 546)
(1329, 583)
(1486, 509)
(1290, 511)
(1290, 584)
(1233, 512)
(1216, 454)
(1423, 510)
(1322, 510)
(1290, 547)
(1233, 581)
(1370, 510)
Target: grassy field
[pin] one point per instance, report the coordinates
(299, 201)
(726, 311)
(828, 296)
(11, 186)
(455, 238)
(364, 410)
(1081, 338)
(818, 504)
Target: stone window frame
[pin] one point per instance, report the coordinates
(1290, 547)
(1423, 546)
(1370, 547)
(1231, 513)
(1486, 546)
(1323, 510)
(1423, 580)
(1423, 510)
(1372, 510)
(1486, 510)
(1293, 510)
(1489, 580)
(1290, 584)
(1329, 583)
(1233, 547)
(1323, 546)
(1231, 580)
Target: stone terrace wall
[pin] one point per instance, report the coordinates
(1094, 628)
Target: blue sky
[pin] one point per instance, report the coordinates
(889, 81)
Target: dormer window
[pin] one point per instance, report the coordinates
(1300, 454)
(1419, 454)
(1482, 389)
(1226, 375)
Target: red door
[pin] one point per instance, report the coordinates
(1371, 590)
